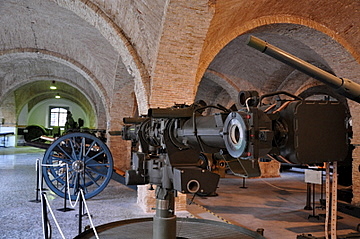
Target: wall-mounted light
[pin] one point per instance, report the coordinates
(53, 86)
(57, 96)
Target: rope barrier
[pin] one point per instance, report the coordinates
(88, 212)
(282, 189)
(81, 193)
(53, 216)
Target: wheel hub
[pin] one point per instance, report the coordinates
(78, 166)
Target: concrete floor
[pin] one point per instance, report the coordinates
(274, 204)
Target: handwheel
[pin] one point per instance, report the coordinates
(79, 160)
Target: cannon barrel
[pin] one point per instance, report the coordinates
(343, 86)
(131, 120)
(171, 112)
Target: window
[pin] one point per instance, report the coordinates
(57, 115)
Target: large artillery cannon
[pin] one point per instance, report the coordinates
(181, 145)
(175, 140)
(177, 143)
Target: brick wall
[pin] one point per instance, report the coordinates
(181, 42)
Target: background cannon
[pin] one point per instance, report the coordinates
(77, 161)
(343, 86)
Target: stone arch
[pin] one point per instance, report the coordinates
(217, 89)
(316, 52)
(326, 49)
(94, 15)
(90, 87)
(209, 54)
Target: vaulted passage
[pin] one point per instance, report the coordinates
(114, 59)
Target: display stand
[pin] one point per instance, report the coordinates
(65, 208)
(164, 224)
(331, 201)
(243, 186)
(45, 219)
(312, 177)
(313, 206)
(308, 197)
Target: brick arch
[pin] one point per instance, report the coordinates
(94, 15)
(345, 64)
(211, 50)
(97, 97)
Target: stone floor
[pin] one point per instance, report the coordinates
(274, 204)
(22, 219)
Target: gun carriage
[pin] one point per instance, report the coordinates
(79, 158)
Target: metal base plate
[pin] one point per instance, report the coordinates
(186, 228)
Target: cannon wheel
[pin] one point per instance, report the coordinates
(80, 159)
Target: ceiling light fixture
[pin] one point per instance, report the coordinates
(53, 86)
(57, 96)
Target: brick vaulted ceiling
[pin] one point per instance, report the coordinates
(324, 33)
(238, 67)
(41, 42)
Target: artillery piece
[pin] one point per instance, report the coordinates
(77, 161)
(174, 141)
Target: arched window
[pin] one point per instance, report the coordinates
(57, 115)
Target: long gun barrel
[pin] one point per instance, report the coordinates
(343, 86)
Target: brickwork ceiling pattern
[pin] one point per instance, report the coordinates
(45, 28)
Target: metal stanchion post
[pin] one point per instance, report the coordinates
(243, 186)
(333, 220)
(44, 217)
(308, 197)
(65, 209)
(80, 212)
(37, 190)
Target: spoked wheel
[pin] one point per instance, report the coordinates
(79, 160)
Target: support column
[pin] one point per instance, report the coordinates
(164, 226)
(356, 176)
